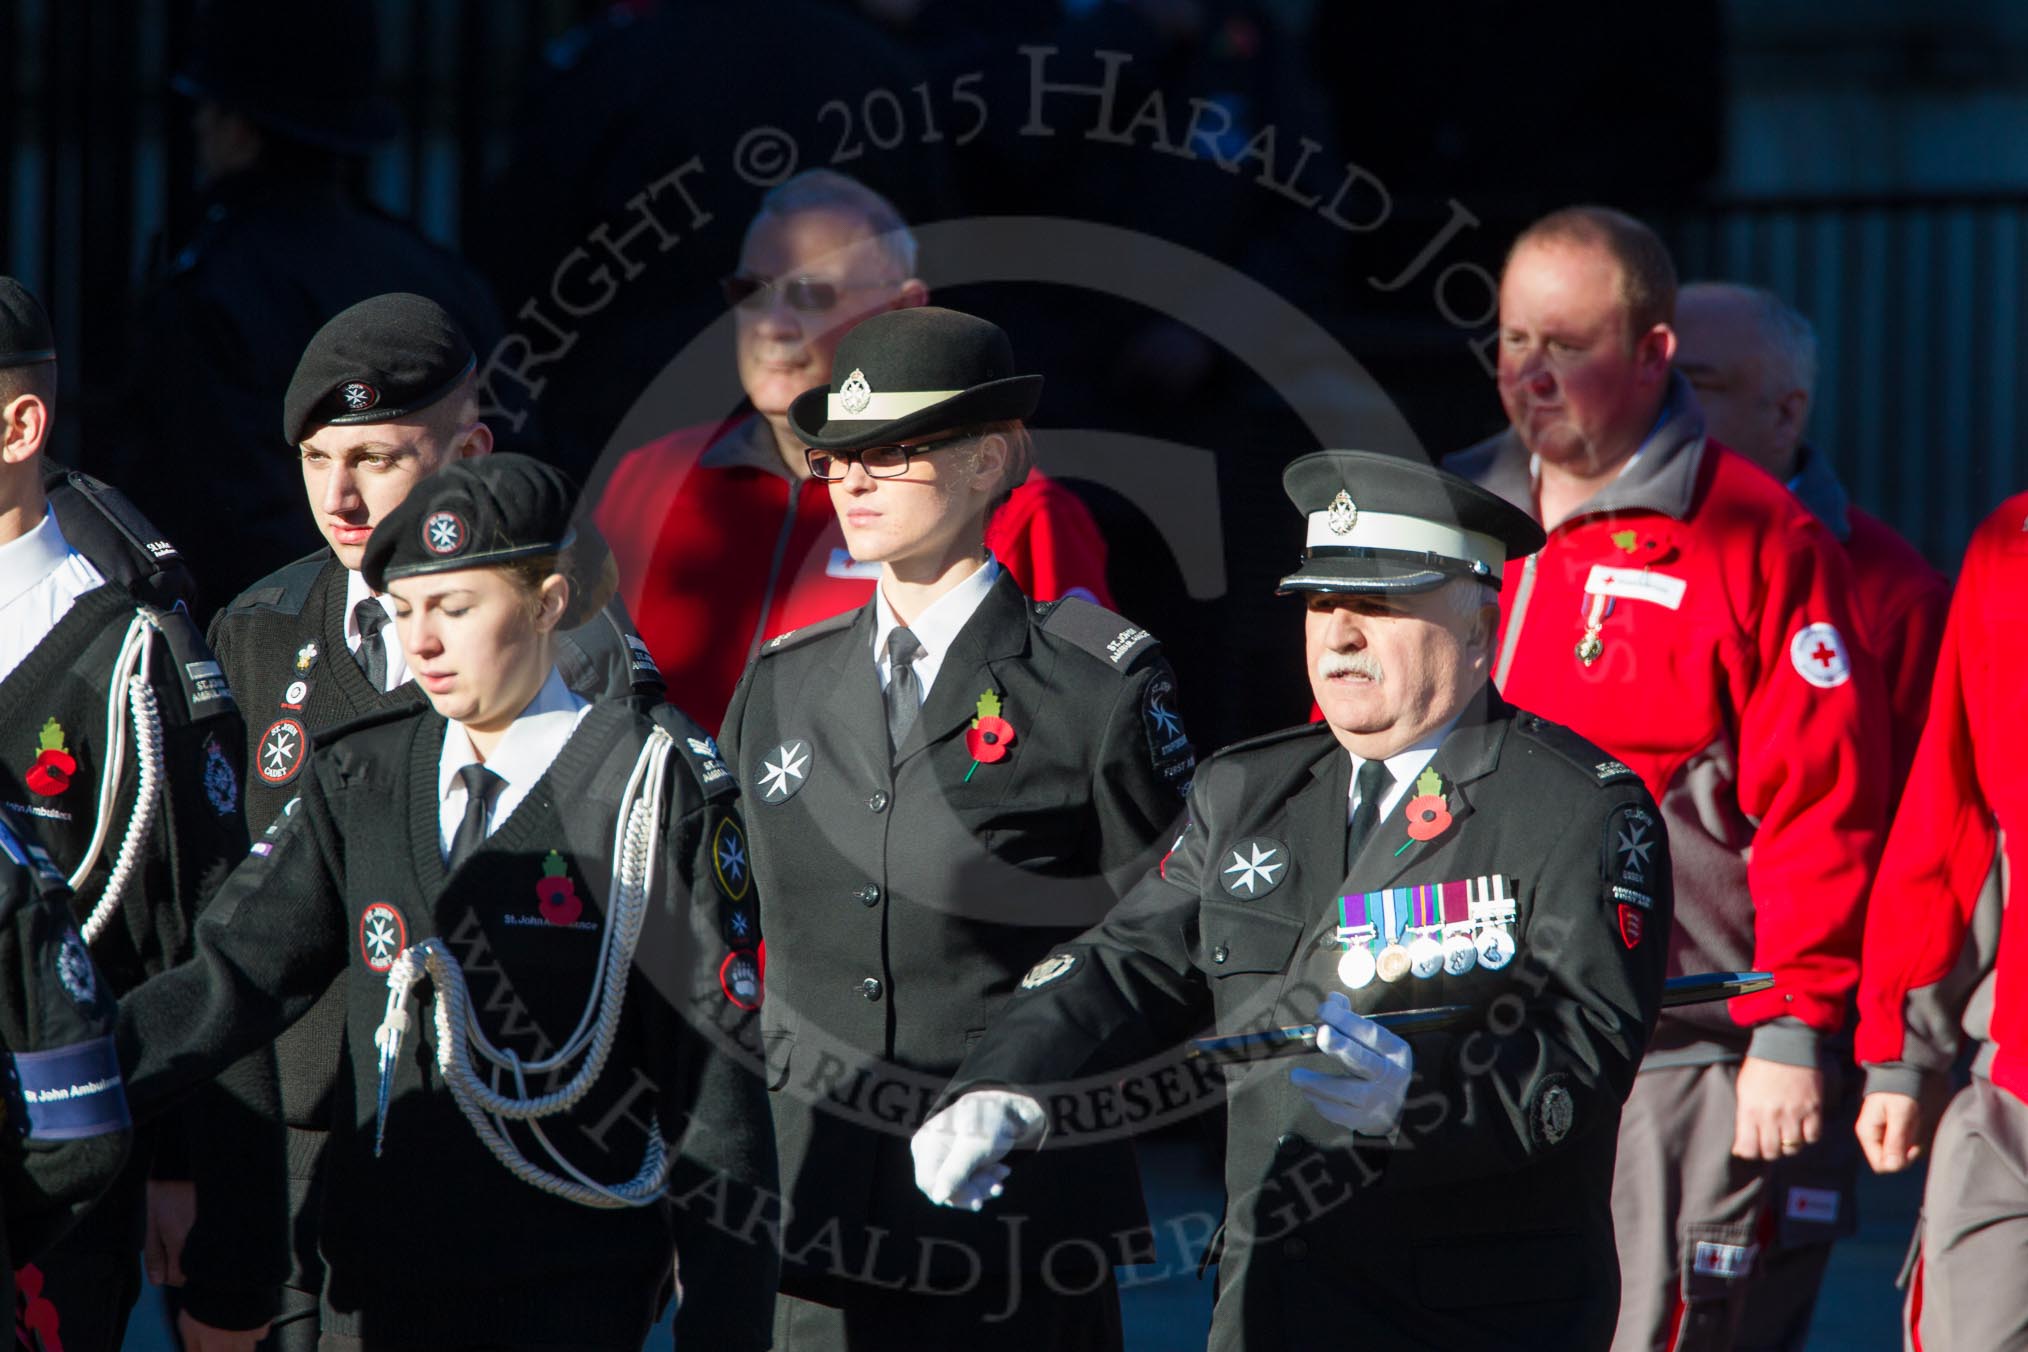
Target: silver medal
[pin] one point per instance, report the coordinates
(1425, 956)
(1496, 948)
(1355, 967)
(1460, 955)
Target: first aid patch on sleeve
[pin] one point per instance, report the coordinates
(1818, 654)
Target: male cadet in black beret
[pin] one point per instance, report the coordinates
(383, 398)
(77, 728)
(1426, 845)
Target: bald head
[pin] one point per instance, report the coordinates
(1752, 360)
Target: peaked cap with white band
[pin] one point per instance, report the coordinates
(1386, 523)
(906, 373)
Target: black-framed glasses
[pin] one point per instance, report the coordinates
(808, 295)
(881, 462)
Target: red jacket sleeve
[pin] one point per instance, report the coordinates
(1812, 773)
(1941, 847)
(1046, 537)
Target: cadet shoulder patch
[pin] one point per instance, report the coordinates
(1113, 639)
(728, 859)
(1632, 861)
(1169, 746)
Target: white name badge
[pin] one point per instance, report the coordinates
(1636, 584)
(842, 564)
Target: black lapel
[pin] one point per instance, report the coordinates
(851, 713)
(998, 630)
(340, 666)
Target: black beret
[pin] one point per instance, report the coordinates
(25, 335)
(384, 359)
(904, 373)
(481, 511)
(1385, 523)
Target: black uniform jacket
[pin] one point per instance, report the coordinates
(55, 707)
(1484, 1221)
(904, 896)
(433, 1242)
(282, 644)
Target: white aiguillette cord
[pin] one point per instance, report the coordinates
(635, 840)
(132, 670)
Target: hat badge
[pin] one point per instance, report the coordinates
(358, 395)
(443, 533)
(1343, 514)
(855, 394)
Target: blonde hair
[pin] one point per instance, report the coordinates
(1020, 457)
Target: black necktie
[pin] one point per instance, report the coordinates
(371, 617)
(1374, 782)
(904, 694)
(480, 786)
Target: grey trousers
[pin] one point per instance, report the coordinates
(1969, 1295)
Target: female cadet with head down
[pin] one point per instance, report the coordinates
(941, 784)
(570, 881)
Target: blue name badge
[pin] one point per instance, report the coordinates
(70, 1093)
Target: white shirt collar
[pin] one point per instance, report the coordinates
(937, 627)
(29, 559)
(356, 591)
(521, 756)
(1404, 765)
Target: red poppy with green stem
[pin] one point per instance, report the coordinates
(990, 735)
(1428, 813)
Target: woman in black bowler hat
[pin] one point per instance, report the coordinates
(940, 786)
(544, 915)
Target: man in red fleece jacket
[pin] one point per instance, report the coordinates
(1964, 796)
(1690, 617)
(722, 538)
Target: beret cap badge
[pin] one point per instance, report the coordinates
(358, 395)
(855, 394)
(443, 533)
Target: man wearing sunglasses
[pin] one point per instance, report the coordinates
(723, 537)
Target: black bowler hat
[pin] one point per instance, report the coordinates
(25, 335)
(903, 373)
(1383, 523)
(387, 358)
(486, 510)
(309, 73)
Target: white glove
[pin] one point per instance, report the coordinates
(958, 1152)
(1368, 1099)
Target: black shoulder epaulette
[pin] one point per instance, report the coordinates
(696, 748)
(105, 526)
(205, 689)
(1594, 764)
(1113, 639)
(797, 637)
(1272, 738)
(284, 590)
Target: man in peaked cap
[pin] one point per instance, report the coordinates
(382, 399)
(1427, 844)
(69, 625)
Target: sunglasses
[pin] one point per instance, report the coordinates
(881, 462)
(805, 294)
